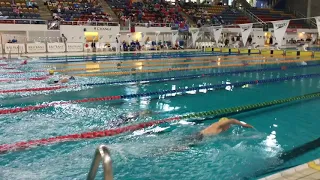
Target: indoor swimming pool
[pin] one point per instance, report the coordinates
(158, 86)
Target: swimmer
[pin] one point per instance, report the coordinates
(216, 128)
(61, 80)
(222, 125)
(125, 118)
(24, 62)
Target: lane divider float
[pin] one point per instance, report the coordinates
(153, 80)
(152, 65)
(155, 93)
(189, 68)
(4, 148)
(171, 59)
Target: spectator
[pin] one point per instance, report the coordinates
(29, 4)
(199, 23)
(124, 45)
(138, 45)
(14, 40)
(63, 38)
(35, 5)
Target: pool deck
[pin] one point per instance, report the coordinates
(307, 171)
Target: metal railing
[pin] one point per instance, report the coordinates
(102, 153)
(39, 21)
(253, 16)
(154, 24)
(312, 22)
(90, 23)
(22, 21)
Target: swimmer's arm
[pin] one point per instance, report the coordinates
(237, 122)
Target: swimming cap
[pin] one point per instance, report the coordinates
(223, 119)
(72, 78)
(51, 72)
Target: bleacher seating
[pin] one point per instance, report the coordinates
(18, 9)
(215, 14)
(77, 10)
(274, 15)
(146, 11)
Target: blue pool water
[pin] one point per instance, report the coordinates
(236, 154)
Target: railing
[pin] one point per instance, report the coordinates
(154, 24)
(311, 22)
(102, 153)
(91, 23)
(39, 21)
(22, 21)
(253, 16)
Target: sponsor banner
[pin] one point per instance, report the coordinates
(74, 47)
(318, 23)
(280, 28)
(14, 48)
(244, 51)
(56, 47)
(308, 53)
(175, 34)
(291, 53)
(194, 35)
(234, 50)
(316, 54)
(278, 52)
(225, 50)
(264, 51)
(245, 30)
(208, 49)
(36, 48)
(254, 51)
(216, 49)
(102, 28)
(217, 30)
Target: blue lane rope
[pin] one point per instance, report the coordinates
(175, 78)
(99, 58)
(219, 86)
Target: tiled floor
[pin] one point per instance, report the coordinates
(308, 171)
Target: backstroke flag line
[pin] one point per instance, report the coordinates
(245, 30)
(280, 28)
(217, 30)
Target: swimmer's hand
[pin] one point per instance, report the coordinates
(248, 126)
(243, 124)
(240, 123)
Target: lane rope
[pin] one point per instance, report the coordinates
(152, 80)
(190, 68)
(4, 148)
(166, 60)
(25, 79)
(155, 93)
(202, 61)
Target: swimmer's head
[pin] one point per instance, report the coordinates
(223, 119)
(72, 78)
(51, 72)
(146, 112)
(225, 127)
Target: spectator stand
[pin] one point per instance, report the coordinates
(146, 13)
(70, 11)
(214, 15)
(267, 15)
(19, 12)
